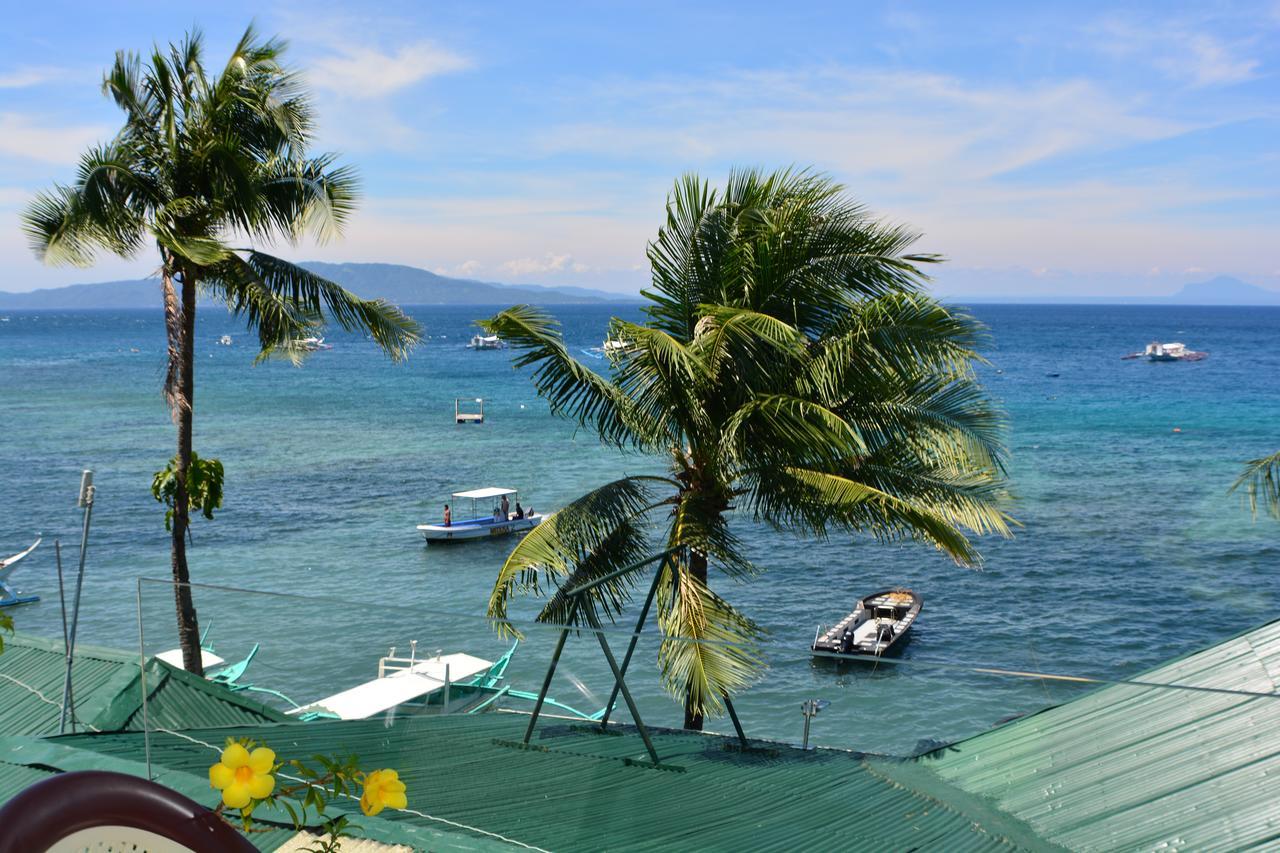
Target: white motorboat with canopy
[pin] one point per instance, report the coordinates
(478, 525)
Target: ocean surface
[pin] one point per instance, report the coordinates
(1129, 549)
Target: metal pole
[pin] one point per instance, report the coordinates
(626, 694)
(446, 689)
(551, 670)
(631, 647)
(62, 595)
(142, 680)
(68, 699)
(737, 726)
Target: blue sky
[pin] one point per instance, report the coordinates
(1072, 148)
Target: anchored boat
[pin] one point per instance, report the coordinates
(487, 342)
(878, 625)
(1172, 351)
(478, 525)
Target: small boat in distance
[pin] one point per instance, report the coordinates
(1172, 351)
(878, 625)
(486, 342)
(313, 344)
(225, 341)
(477, 525)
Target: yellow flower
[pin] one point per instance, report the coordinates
(382, 788)
(243, 776)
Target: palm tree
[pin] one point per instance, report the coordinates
(791, 370)
(1261, 482)
(203, 166)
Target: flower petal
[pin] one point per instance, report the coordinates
(220, 776)
(261, 786)
(262, 760)
(370, 806)
(236, 795)
(235, 756)
(395, 799)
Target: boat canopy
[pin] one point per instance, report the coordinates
(488, 492)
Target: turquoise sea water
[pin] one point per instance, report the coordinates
(1130, 550)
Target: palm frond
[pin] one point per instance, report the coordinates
(709, 649)
(312, 296)
(571, 388)
(818, 501)
(600, 532)
(1261, 481)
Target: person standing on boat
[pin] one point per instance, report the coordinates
(448, 516)
(506, 508)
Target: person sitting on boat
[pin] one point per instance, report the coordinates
(519, 510)
(497, 514)
(448, 516)
(506, 508)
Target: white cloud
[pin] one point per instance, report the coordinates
(22, 136)
(1181, 50)
(548, 263)
(363, 71)
(30, 75)
(467, 268)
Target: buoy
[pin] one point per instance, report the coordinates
(1177, 429)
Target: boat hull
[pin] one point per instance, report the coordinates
(475, 529)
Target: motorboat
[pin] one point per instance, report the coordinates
(1172, 351)
(225, 341)
(313, 344)
(9, 596)
(486, 342)
(478, 525)
(877, 626)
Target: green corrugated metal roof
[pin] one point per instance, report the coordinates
(1130, 767)
(586, 794)
(25, 760)
(108, 696)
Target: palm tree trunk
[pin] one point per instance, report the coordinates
(188, 625)
(697, 568)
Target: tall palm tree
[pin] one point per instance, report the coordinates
(1261, 482)
(789, 368)
(205, 167)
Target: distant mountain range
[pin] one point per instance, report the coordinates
(406, 285)
(402, 285)
(1223, 290)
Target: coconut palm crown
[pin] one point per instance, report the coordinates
(790, 370)
(204, 168)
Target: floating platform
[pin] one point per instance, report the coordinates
(462, 417)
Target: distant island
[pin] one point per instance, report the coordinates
(1223, 290)
(403, 285)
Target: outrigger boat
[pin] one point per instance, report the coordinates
(479, 526)
(1172, 351)
(877, 626)
(440, 683)
(8, 595)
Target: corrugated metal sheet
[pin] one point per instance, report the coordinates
(108, 696)
(1129, 767)
(31, 677)
(24, 760)
(586, 793)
